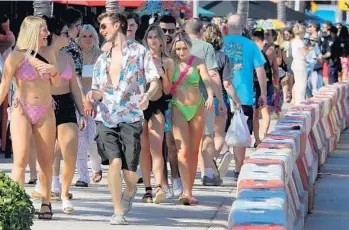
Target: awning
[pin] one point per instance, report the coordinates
(122, 3)
(81, 3)
(204, 12)
(257, 10)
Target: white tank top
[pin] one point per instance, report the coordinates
(87, 70)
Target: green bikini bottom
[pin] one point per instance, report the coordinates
(188, 111)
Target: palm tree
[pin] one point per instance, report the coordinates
(243, 8)
(113, 6)
(43, 8)
(281, 10)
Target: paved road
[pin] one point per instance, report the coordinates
(94, 208)
(331, 191)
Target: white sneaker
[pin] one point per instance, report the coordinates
(169, 193)
(177, 187)
(118, 219)
(224, 165)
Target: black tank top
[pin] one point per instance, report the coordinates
(267, 67)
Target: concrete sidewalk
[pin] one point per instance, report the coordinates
(93, 206)
(331, 208)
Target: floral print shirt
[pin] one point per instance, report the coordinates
(75, 51)
(121, 103)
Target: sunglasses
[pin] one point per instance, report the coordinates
(170, 31)
(103, 26)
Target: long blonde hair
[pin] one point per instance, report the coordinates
(96, 50)
(213, 35)
(161, 36)
(89, 27)
(28, 37)
(180, 36)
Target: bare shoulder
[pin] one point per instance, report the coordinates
(15, 57)
(48, 53)
(68, 58)
(168, 62)
(270, 51)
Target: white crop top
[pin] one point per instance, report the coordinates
(87, 70)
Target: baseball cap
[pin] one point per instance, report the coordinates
(258, 32)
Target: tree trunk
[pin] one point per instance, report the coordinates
(243, 8)
(291, 4)
(281, 10)
(42, 8)
(113, 6)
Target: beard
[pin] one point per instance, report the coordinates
(168, 40)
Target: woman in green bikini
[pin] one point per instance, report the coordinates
(188, 117)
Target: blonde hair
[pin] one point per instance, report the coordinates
(213, 35)
(89, 27)
(181, 37)
(161, 38)
(28, 37)
(298, 29)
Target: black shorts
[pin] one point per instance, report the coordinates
(248, 111)
(160, 105)
(65, 109)
(122, 142)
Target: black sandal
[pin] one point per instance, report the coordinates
(148, 197)
(46, 215)
(32, 181)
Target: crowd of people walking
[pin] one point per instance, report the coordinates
(136, 96)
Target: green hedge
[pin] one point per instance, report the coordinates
(16, 209)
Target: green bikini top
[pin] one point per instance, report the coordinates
(191, 81)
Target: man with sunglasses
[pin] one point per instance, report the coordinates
(168, 25)
(119, 93)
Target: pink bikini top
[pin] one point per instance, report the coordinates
(28, 73)
(67, 73)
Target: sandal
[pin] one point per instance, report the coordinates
(160, 195)
(184, 200)
(148, 197)
(97, 176)
(32, 181)
(67, 207)
(46, 215)
(193, 201)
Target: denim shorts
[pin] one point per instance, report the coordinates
(257, 93)
(168, 125)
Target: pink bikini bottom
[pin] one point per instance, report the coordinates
(34, 112)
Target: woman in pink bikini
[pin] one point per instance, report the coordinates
(33, 67)
(66, 96)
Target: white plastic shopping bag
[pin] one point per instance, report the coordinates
(238, 133)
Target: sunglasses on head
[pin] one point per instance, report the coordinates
(170, 31)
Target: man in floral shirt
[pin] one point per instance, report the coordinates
(119, 85)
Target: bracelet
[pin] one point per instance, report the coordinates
(54, 75)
